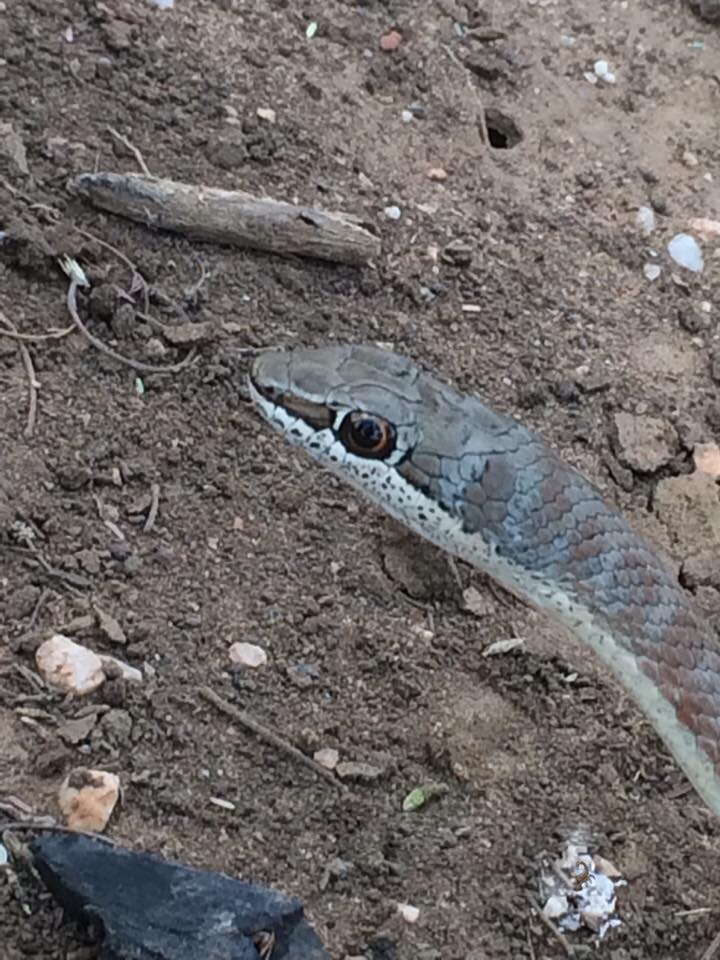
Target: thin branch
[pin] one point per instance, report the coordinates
(132, 148)
(36, 337)
(474, 92)
(268, 736)
(712, 949)
(30, 373)
(108, 351)
(560, 937)
(152, 512)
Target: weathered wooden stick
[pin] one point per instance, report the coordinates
(230, 216)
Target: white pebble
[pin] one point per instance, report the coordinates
(392, 213)
(68, 666)
(327, 757)
(407, 116)
(602, 70)
(247, 655)
(645, 219)
(651, 271)
(686, 252)
(408, 912)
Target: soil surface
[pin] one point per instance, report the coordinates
(520, 275)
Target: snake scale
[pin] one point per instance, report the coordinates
(486, 489)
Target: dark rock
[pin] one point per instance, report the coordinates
(566, 392)
(147, 908)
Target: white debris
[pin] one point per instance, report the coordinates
(248, 655)
(68, 666)
(408, 912)
(502, 646)
(580, 890)
(645, 219)
(267, 114)
(603, 71)
(407, 116)
(392, 213)
(686, 252)
(556, 906)
(651, 271)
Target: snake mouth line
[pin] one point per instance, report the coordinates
(317, 415)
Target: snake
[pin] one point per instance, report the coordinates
(489, 491)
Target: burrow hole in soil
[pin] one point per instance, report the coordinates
(503, 132)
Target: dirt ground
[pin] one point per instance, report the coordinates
(520, 276)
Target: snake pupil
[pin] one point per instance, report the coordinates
(367, 432)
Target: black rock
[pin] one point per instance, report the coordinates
(147, 908)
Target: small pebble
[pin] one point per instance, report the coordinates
(392, 213)
(408, 912)
(69, 666)
(686, 252)
(87, 799)
(248, 655)
(602, 70)
(708, 229)
(390, 41)
(407, 116)
(437, 174)
(651, 271)
(689, 159)
(266, 113)
(327, 757)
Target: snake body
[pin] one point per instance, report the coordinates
(486, 489)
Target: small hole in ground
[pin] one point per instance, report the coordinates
(503, 132)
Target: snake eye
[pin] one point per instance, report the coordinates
(367, 436)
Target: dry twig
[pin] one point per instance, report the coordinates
(152, 512)
(30, 372)
(103, 347)
(132, 148)
(245, 720)
(474, 92)
(231, 217)
(712, 949)
(560, 937)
